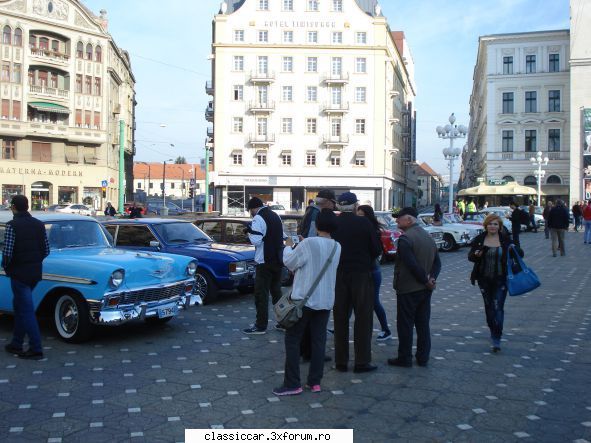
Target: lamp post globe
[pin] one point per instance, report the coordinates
(451, 131)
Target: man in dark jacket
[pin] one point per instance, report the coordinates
(517, 217)
(25, 247)
(558, 222)
(266, 234)
(354, 286)
(415, 273)
(324, 199)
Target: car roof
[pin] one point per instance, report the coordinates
(245, 219)
(144, 221)
(47, 216)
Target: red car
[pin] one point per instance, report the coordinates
(127, 207)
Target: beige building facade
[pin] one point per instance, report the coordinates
(307, 95)
(64, 88)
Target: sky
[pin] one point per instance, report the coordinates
(169, 43)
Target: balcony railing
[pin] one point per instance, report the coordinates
(525, 156)
(209, 87)
(257, 106)
(44, 90)
(210, 131)
(336, 108)
(262, 77)
(262, 139)
(209, 112)
(335, 140)
(336, 79)
(49, 54)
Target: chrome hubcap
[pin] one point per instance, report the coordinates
(68, 316)
(201, 286)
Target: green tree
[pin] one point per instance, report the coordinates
(180, 160)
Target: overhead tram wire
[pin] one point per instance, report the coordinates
(170, 65)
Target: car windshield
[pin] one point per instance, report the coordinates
(181, 233)
(75, 234)
(387, 221)
(277, 207)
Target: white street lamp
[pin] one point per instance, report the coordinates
(451, 132)
(539, 173)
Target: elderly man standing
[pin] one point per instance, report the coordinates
(266, 234)
(415, 272)
(354, 286)
(324, 199)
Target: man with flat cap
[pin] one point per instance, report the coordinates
(416, 270)
(324, 199)
(354, 286)
(266, 234)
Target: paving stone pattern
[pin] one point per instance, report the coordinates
(142, 383)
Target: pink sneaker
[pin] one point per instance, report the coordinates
(314, 388)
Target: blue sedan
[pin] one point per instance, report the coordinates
(86, 282)
(221, 265)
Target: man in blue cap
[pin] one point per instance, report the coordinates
(354, 286)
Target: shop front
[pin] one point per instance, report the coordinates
(41, 193)
(9, 191)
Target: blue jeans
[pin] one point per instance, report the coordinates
(25, 322)
(578, 222)
(494, 294)
(377, 306)
(587, 231)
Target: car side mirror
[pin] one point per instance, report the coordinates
(155, 244)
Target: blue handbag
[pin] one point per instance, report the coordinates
(523, 281)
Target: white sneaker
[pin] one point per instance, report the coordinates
(382, 336)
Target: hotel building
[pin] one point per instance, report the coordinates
(520, 104)
(309, 94)
(64, 87)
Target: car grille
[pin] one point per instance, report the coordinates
(251, 265)
(151, 294)
(437, 236)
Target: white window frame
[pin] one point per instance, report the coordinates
(361, 38)
(238, 63)
(360, 65)
(337, 5)
(312, 37)
(262, 64)
(263, 5)
(238, 35)
(312, 94)
(262, 126)
(240, 90)
(311, 125)
(311, 159)
(335, 158)
(287, 125)
(336, 65)
(360, 126)
(287, 93)
(313, 5)
(287, 63)
(287, 5)
(360, 94)
(237, 125)
(312, 62)
(287, 36)
(337, 38)
(286, 158)
(263, 36)
(237, 158)
(261, 158)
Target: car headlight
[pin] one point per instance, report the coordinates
(117, 278)
(191, 268)
(237, 266)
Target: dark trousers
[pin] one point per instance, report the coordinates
(315, 322)
(354, 290)
(25, 322)
(413, 310)
(494, 294)
(376, 274)
(267, 281)
(515, 231)
(533, 224)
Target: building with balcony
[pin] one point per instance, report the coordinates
(429, 185)
(520, 104)
(64, 87)
(315, 94)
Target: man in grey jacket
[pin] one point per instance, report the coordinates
(416, 269)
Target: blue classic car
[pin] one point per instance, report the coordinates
(86, 282)
(221, 265)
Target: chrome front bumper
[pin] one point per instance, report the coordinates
(116, 315)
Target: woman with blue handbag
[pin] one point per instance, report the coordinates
(489, 255)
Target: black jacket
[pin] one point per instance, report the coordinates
(558, 218)
(360, 245)
(478, 244)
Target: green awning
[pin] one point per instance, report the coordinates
(49, 107)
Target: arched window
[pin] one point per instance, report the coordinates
(18, 37)
(508, 178)
(530, 180)
(89, 52)
(98, 54)
(80, 50)
(554, 180)
(7, 35)
(43, 43)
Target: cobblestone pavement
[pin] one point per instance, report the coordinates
(200, 371)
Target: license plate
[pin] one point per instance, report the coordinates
(167, 311)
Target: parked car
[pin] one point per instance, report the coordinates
(277, 208)
(454, 234)
(538, 216)
(86, 282)
(74, 209)
(291, 223)
(503, 212)
(127, 206)
(385, 217)
(155, 207)
(221, 265)
(473, 218)
(53, 208)
(225, 229)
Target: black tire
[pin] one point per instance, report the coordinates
(206, 287)
(71, 318)
(449, 244)
(158, 321)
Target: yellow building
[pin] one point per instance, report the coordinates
(64, 87)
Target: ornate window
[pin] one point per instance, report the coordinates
(98, 54)
(80, 50)
(89, 52)
(7, 35)
(554, 180)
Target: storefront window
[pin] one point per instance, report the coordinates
(67, 194)
(91, 198)
(9, 191)
(40, 195)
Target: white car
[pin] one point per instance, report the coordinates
(503, 212)
(75, 209)
(454, 234)
(277, 208)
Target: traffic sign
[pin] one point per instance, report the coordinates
(104, 183)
